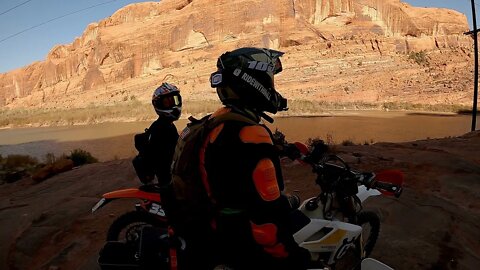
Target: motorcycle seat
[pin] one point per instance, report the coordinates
(150, 188)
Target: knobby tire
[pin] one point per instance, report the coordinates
(130, 218)
(373, 220)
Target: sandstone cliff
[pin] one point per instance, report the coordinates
(124, 56)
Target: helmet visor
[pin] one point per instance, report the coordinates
(167, 102)
(278, 66)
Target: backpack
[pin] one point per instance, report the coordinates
(140, 162)
(193, 203)
(142, 141)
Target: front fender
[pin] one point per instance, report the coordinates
(372, 264)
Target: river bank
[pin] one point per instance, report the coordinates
(108, 141)
(136, 111)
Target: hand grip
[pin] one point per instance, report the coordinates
(388, 188)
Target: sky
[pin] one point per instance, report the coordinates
(30, 28)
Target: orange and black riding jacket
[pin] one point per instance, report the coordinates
(241, 171)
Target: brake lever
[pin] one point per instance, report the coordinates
(395, 190)
(398, 192)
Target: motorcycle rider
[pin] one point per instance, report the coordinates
(157, 145)
(251, 225)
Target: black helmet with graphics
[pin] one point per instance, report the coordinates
(167, 101)
(245, 78)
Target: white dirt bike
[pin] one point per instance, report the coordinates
(338, 224)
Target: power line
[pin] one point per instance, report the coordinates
(54, 19)
(21, 4)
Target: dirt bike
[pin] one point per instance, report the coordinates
(339, 224)
(141, 239)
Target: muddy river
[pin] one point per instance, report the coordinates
(108, 141)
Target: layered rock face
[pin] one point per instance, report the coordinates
(126, 55)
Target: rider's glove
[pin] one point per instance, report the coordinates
(319, 149)
(291, 151)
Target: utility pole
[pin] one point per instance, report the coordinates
(475, 80)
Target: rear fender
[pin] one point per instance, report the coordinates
(126, 194)
(132, 193)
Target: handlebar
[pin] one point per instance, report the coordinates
(318, 159)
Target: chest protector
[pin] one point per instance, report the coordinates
(193, 201)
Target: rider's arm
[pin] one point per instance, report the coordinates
(270, 210)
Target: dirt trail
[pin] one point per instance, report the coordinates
(434, 225)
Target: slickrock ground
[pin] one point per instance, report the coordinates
(434, 225)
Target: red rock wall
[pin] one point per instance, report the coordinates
(140, 40)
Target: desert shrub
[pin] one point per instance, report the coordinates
(368, 142)
(16, 167)
(330, 140)
(12, 162)
(312, 141)
(81, 157)
(459, 111)
(13, 176)
(60, 165)
(419, 58)
(50, 158)
(279, 137)
(348, 142)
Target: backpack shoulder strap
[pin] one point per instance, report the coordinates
(194, 120)
(230, 116)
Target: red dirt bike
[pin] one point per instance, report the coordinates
(140, 239)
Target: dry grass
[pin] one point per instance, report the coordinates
(311, 107)
(12, 162)
(91, 114)
(134, 110)
(403, 106)
(131, 110)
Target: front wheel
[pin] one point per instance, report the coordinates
(128, 227)
(370, 223)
